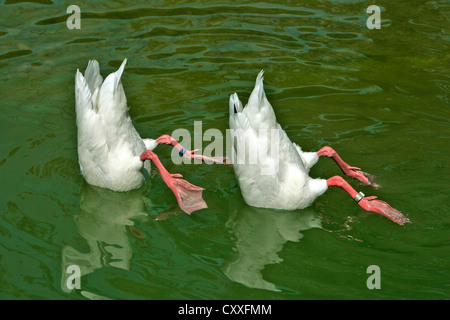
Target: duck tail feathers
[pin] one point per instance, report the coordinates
(83, 101)
(118, 74)
(92, 75)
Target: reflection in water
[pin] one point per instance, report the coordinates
(104, 222)
(260, 235)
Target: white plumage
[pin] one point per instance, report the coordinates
(272, 172)
(278, 175)
(109, 147)
(110, 151)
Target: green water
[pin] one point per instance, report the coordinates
(378, 97)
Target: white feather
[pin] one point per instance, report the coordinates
(279, 177)
(109, 146)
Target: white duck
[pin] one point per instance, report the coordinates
(277, 177)
(111, 152)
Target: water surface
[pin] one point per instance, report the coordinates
(378, 97)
